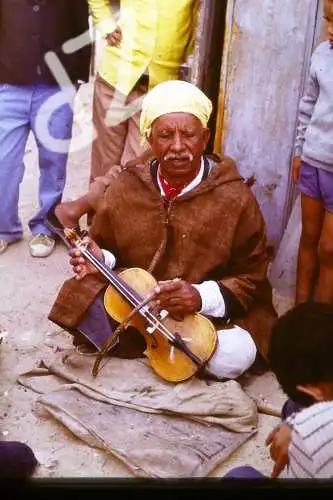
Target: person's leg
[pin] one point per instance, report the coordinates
(51, 122)
(324, 289)
(14, 131)
(244, 472)
(110, 128)
(111, 125)
(133, 146)
(235, 353)
(16, 460)
(69, 213)
(312, 220)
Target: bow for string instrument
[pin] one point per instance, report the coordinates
(176, 350)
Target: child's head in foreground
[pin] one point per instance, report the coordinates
(301, 353)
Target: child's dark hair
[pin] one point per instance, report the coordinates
(301, 348)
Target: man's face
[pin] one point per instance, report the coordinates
(178, 141)
(328, 16)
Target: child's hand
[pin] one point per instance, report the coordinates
(296, 168)
(279, 440)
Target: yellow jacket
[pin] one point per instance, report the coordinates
(157, 35)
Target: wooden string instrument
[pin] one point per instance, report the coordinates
(176, 350)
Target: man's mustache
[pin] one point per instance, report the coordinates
(181, 157)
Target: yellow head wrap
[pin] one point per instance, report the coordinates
(173, 96)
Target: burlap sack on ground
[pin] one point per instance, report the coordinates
(157, 428)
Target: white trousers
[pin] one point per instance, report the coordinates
(234, 354)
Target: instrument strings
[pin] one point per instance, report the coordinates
(130, 295)
(134, 298)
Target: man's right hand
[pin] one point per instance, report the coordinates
(114, 38)
(296, 168)
(81, 266)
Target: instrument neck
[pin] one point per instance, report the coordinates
(135, 299)
(113, 278)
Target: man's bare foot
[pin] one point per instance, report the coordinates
(67, 214)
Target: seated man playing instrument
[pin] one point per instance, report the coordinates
(190, 221)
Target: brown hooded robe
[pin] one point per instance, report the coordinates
(214, 232)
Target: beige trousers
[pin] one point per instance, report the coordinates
(116, 122)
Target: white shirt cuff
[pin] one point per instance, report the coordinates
(109, 259)
(212, 300)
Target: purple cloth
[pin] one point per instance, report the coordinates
(318, 184)
(96, 325)
(244, 472)
(16, 460)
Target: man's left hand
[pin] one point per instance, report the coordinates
(177, 297)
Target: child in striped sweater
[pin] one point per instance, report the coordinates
(301, 357)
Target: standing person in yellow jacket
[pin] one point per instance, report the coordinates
(147, 45)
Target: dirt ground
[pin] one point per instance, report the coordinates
(28, 288)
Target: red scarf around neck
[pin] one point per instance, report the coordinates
(169, 190)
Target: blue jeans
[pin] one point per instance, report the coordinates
(24, 109)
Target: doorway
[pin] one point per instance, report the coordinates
(208, 60)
